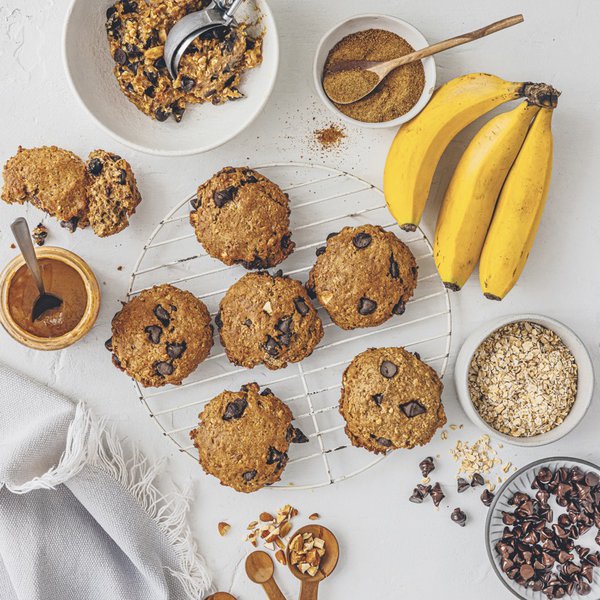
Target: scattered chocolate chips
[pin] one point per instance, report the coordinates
(332, 234)
(459, 517)
(487, 497)
(235, 409)
(437, 495)
(295, 435)
(222, 197)
(388, 369)
(94, 167)
(266, 392)
(108, 344)
(301, 306)
(154, 333)
(366, 306)
(162, 315)
(399, 308)
(249, 475)
(39, 234)
(277, 458)
(361, 240)
(320, 250)
(120, 56)
(284, 325)
(164, 368)
(187, 84)
(412, 409)
(462, 484)
(271, 346)
(377, 398)
(161, 116)
(218, 321)
(477, 479)
(394, 270)
(385, 442)
(427, 465)
(70, 225)
(417, 497)
(176, 350)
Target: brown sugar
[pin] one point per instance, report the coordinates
(397, 93)
(349, 86)
(329, 137)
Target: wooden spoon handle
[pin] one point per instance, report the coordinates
(459, 40)
(309, 590)
(272, 590)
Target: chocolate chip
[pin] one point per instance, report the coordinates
(164, 368)
(271, 346)
(122, 177)
(149, 91)
(235, 409)
(526, 572)
(176, 350)
(361, 240)
(427, 465)
(285, 339)
(266, 392)
(377, 398)
(128, 6)
(301, 306)
(222, 197)
(412, 409)
(592, 479)
(416, 497)
(394, 270)
(110, 11)
(332, 234)
(295, 436)
(366, 306)
(247, 323)
(116, 362)
(178, 110)
(476, 480)
(487, 497)
(187, 84)
(424, 489)
(276, 457)
(151, 76)
(385, 442)
(388, 369)
(399, 308)
(320, 250)
(218, 321)
(249, 475)
(162, 315)
(70, 225)
(154, 333)
(459, 517)
(437, 495)
(285, 241)
(108, 344)
(94, 166)
(120, 56)
(462, 484)
(284, 325)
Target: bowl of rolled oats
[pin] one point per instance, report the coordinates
(113, 54)
(525, 379)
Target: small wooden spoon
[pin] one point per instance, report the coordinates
(260, 569)
(374, 72)
(309, 586)
(221, 596)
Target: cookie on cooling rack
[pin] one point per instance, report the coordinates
(268, 319)
(160, 336)
(390, 399)
(52, 179)
(241, 217)
(113, 193)
(243, 438)
(363, 276)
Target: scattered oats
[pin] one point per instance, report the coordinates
(453, 427)
(506, 467)
(523, 379)
(425, 480)
(444, 434)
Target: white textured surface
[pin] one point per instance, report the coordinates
(390, 547)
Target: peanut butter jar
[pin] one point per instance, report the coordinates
(66, 275)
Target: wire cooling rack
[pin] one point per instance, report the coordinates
(322, 200)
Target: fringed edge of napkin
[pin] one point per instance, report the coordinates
(90, 443)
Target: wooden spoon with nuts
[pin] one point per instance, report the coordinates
(309, 586)
(348, 81)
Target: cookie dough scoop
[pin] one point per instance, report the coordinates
(219, 13)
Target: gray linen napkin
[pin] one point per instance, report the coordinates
(79, 521)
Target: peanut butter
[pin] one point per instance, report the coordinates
(60, 280)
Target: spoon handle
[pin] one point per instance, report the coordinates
(272, 590)
(459, 40)
(309, 590)
(20, 230)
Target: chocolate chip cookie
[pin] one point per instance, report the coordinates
(242, 217)
(390, 399)
(52, 179)
(267, 319)
(209, 71)
(243, 438)
(113, 194)
(161, 336)
(363, 276)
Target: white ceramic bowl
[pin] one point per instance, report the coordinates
(585, 384)
(89, 68)
(373, 21)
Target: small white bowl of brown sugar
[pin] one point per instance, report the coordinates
(402, 94)
(525, 379)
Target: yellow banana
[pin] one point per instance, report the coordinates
(419, 145)
(518, 212)
(470, 199)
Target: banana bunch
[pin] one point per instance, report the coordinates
(489, 163)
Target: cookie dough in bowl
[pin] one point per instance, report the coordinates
(125, 87)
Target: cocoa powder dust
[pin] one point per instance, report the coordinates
(396, 94)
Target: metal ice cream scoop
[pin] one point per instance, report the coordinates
(219, 13)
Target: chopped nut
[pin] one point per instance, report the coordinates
(326, 297)
(268, 308)
(314, 516)
(280, 557)
(285, 528)
(252, 525)
(223, 528)
(265, 516)
(306, 552)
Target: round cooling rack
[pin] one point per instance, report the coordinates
(322, 200)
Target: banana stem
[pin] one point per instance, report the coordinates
(540, 94)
